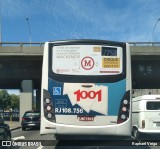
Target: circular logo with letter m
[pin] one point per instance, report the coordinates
(87, 63)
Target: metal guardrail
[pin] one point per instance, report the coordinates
(22, 44)
(42, 43)
(144, 43)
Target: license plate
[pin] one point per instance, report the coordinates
(31, 124)
(86, 118)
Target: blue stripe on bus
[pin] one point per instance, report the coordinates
(116, 92)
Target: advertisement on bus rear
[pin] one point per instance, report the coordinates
(87, 60)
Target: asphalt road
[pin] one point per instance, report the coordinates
(34, 138)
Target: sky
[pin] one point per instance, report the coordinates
(49, 20)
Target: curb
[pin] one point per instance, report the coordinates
(15, 128)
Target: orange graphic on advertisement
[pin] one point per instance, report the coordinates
(96, 49)
(110, 62)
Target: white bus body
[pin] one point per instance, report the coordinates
(146, 114)
(80, 95)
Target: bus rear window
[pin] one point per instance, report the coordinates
(87, 60)
(153, 105)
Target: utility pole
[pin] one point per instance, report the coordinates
(29, 30)
(0, 23)
(154, 29)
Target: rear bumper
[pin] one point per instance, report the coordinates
(91, 137)
(145, 131)
(47, 127)
(92, 130)
(24, 124)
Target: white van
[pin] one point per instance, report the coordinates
(146, 115)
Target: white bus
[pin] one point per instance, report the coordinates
(146, 115)
(86, 88)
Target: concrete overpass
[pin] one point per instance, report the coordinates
(20, 61)
(21, 65)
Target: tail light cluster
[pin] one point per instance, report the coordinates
(49, 111)
(23, 119)
(123, 114)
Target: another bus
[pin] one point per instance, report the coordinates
(86, 88)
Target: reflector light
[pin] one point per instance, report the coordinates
(120, 121)
(143, 123)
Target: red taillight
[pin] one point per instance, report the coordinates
(23, 119)
(49, 110)
(119, 121)
(123, 113)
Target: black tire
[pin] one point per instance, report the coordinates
(8, 136)
(136, 134)
(23, 128)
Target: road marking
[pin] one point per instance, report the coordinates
(18, 138)
(40, 147)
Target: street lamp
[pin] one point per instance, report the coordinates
(29, 30)
(154, 29)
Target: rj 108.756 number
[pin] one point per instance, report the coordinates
(68, 110)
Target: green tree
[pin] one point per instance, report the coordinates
(14, 101)
(5, 100)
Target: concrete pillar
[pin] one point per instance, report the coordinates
(38, 99)
(26, 96)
